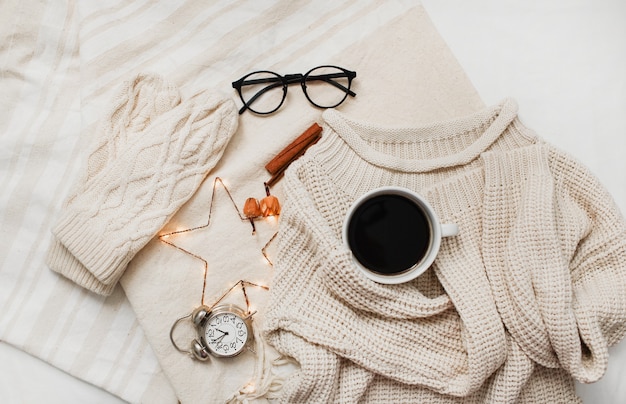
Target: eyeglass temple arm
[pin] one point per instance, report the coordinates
(328, 78)
(297, 78)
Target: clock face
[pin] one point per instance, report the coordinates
(225, 334)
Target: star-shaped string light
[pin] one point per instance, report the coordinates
(166, 237)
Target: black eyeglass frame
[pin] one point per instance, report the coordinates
(288, 79)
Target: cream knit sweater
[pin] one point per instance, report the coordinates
(528, 296)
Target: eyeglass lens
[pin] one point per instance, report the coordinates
(264, 92)
(326, 86)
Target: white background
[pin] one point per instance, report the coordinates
(564, 61)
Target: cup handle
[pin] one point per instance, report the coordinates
(449, 229)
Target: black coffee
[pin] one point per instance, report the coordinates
(389, 234)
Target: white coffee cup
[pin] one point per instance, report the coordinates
(394, 234)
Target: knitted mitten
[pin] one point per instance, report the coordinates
(149, 156)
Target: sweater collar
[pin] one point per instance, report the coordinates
(427, 147)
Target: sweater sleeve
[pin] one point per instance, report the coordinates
(597, 258)
(555, 251)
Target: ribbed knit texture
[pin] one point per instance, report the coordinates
(530, 294)
(149, 155)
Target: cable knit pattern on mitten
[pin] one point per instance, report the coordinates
(148, 167)
(137, 103)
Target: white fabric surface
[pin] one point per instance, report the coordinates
(563, 61)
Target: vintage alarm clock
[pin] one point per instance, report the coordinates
(223, 331)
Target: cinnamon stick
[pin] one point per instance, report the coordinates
(294, 150)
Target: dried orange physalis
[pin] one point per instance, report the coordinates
(270, 205)
(251, 209)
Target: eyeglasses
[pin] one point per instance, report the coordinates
(323, 86)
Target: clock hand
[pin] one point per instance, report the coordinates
(218, 339)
